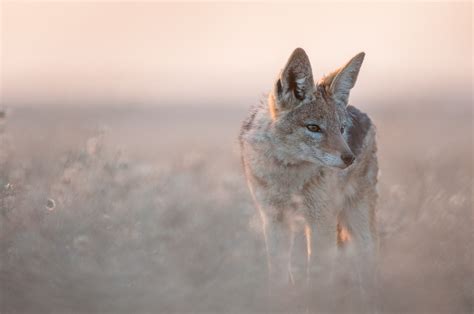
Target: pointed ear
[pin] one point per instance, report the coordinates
(295, 83)
(339, 83)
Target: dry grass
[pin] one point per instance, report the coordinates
(151, 214)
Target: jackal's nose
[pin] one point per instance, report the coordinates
(348, 159)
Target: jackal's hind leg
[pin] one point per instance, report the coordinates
(307, 233)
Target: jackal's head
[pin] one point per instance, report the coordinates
(310, 121)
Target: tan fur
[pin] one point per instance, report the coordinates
(298, 178)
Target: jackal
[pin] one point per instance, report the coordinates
(311, 166)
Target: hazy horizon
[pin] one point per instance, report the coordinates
(97, 53)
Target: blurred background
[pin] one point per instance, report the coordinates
(121, 188)
(207, 54)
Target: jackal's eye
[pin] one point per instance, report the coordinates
(342, 129)
(314, 128)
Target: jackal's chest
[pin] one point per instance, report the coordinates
(307, 191)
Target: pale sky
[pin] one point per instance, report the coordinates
(89, 53)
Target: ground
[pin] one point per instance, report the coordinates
(147, 210)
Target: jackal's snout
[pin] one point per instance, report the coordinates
(348, 158)
(341, 151)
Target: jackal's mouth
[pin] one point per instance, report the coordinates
(333, 161)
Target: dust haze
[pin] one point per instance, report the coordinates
(121, 184)
(147, 210)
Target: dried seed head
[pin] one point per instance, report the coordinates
(50, 204)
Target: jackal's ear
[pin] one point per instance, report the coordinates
(295, 82)
(340, 82)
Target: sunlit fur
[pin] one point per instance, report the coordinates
(298, 179)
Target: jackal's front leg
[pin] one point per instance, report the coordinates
(359, 220)
(279, 239)
(321, 241)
